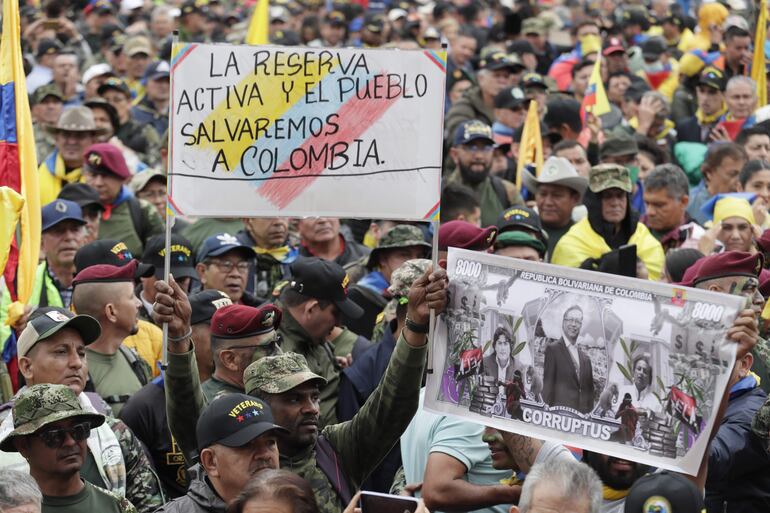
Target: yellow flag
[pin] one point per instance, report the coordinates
(11, 204)
(19, 165)
(758, 71)
(258, 33)
(531, 146)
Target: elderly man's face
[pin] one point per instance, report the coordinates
(741, 100)
(319, 229)
(227, 272)
(549, 498)
(59, 360)
(614, 205)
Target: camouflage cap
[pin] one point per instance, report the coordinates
(40, 405)
(402, 278)
(607, 176)
(760, 425)
(278, 374)
(400, 236)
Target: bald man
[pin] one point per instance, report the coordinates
(106, 292)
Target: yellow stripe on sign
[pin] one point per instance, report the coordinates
(250, 110)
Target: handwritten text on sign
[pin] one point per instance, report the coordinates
(306, 132)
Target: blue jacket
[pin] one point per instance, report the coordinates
(738, 478)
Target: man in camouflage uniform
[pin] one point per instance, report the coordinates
(115, 459)
(337, 462)
(403, 242)
(51, 428)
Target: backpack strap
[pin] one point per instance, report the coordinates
(500, 192)
(137, 365)
(328, 461)
(97, 402)
(137, 218)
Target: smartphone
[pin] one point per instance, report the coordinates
(373, 502)
(51, 23)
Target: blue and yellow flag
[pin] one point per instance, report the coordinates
(18, 162)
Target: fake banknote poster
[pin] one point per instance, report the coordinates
(291, 131)
(629, 368)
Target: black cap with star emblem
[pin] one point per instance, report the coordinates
(110, 252)
(322, 279)
(182, 256)
(234, 420)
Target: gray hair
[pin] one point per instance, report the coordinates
(740, 79)
(572, 478)
(161, 11)
(18, 489)
(669, 177)
(662, 99)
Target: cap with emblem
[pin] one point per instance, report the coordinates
(664, 491)
(114, 84)
(374, 23)
(728, 263)
(241, 321)
(556, 171)
(40, 405)
(106, 158)
(618, 145)
(156, 71)
(222, 243)
(140, 180)
(635, 15)
(76, 119)
(82, 194)
(137, 45)
(533, 79)
(535, 26)
(518, 217)
(47, 91)
(110, 252)
(47, 47)
(464, 235)
(278, 374)
(104, 273)
(509, 98)
(182, 256)
(431, 34)
(518, 238)
(45, 325)
(499, 60)
(400, 236)
(402, 278)
(336, 18)
(234, 420)
(205, 303)
(99, 6)
(713, 77)
(473, 130)
(190, 7)
(60, 210)
(607, 176)
(322, 279)
(613, 45)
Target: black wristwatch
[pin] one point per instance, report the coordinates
(417, 328)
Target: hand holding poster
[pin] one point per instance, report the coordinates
(625, 367)
(266, 131)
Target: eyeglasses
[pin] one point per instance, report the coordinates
(54, 438)
(228, 265)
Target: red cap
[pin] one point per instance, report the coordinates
(764, 283)
(105, 273)
(764, 241)
(691, 273)
(729, 263)
(614, 45)
(462, 234)
(106, 158)
(241, 321)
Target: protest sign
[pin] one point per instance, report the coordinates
(630, 368)
(273, 131)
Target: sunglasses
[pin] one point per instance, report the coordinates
(54, 438)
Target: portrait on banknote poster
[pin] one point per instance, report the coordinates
(621, 366)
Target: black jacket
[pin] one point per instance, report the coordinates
(200, 498)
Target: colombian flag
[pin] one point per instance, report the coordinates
(18, 163)
(595, 99)
(758, 71)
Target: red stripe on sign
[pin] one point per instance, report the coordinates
(435, 61)
(182, 57)
(358, 115)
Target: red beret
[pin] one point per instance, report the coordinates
(764, 241)
(691, 273)
(462, 234)
(105, 273)
(764, 283)
(241, 321)
(106, 158)
(729, 263)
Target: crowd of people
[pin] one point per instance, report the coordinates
(296, 349)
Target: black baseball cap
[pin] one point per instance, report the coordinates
(473, 130)
(322, 279)
(518, 217)
(233, 420)
(713, 77)
(82, 194)
(182, 256)
(111, 252)
(510, 98)
(664, 491)
(205, 303)
(47, 47)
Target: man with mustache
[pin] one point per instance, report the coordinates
(269, 237)
(63, 234)
(338, 460)
(320, 237)
(52, 350)
(223, 264)
(50, 430)
(471, 152)
(237, 438)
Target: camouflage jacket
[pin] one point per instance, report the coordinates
(320, 359)
(214, 387)
(200, 497)
(359, 443)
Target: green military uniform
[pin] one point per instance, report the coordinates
(45, 142)
(489, 201)
(320, 359)
(41, 405)
(120, 225)
(213, 388)
(359, 444)
(204, 228)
